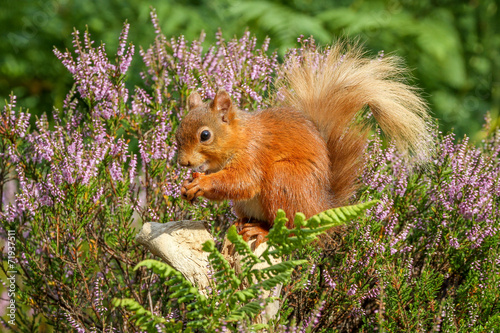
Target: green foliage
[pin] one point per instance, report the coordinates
(450, 46)
(142, 318)
(146, 319)
(424, 259)
(284, 241)
(409, 301)
(240, 293)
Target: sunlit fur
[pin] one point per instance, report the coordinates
(331, 90)
(305, 155)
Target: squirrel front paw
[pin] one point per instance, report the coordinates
(191, 188)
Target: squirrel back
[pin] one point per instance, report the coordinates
(331, 89)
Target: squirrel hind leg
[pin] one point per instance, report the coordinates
(249, 230)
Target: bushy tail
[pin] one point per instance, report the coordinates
(333, 86)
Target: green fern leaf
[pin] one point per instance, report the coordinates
(337, 216)
(242, 247)
(163, 270)
(142, 317)
(184, 292)
(243, 304)
(280, 276)
(224, 274)
(305, 231)
(247, 294)
(282, 266)
(249, 310)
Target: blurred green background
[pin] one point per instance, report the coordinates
(451, 47)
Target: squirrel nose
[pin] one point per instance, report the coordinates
(184, 162)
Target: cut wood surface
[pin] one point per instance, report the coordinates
(179, 245)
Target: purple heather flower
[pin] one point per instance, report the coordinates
(115, 171)
(94, 74)
(227, 65)
(132, 171)
(352, 291)
(12, 155)
(328, 279)
(141, 102)
(74, 323)
(313, 319)
(99, 296)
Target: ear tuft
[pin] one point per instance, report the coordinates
(194, 100)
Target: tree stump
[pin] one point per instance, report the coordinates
(179, 244)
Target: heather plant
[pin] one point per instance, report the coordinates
(90, 173)
(241, 293)
(424, 258)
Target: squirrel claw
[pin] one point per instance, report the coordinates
(259, 240)
(191, 189)
(249, 230)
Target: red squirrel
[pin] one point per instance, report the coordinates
(305, 154)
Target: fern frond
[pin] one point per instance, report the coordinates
(242, 247)
(249, 310)
(278, 274)
(237, 303)
(184, 293)
(337, 216)
(142, 317)
(281, 242)
(162, 269)
(176, 280)
(224, 274)
(247, 294)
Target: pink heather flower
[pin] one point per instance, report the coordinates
(94, 74)
(352, 291)
(132, 172)
(123, 40)
(328, 279)
(454, 243)
(141, 102)
(99, 296)
(12, 155)
(12, 211)
(67, 169)
(119, 149)
(97, 196)
(74, 323)
(371, 294)
(237, 66)
(115, 171)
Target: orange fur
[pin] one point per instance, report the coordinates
(305, 155)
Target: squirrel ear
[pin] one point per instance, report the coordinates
(222, 104)
(194, 100)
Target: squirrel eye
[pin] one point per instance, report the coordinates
(205, 135)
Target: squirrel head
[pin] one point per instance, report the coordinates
(206, 135)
